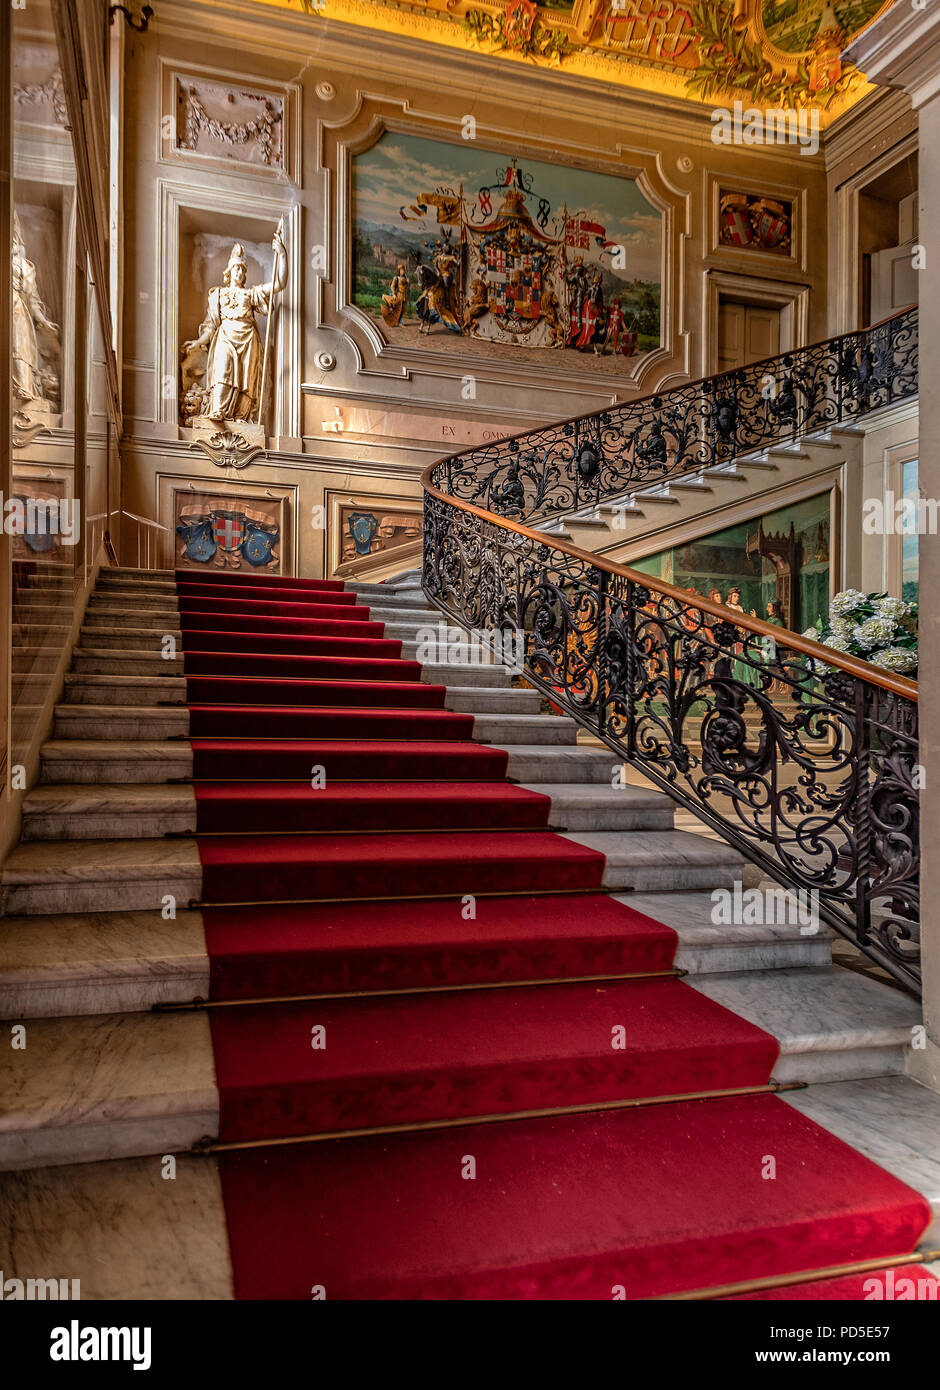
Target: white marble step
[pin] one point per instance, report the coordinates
(648, 861)
(87, 761)
(707, 947)
(114, 962)
(893, 1120)
(604, 808)
(91, 1087)
(538, 762)
(833, 1024)
(524, 728)
(466, 673)
(484, 699)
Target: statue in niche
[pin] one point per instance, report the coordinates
(228, 398)
(34, 383)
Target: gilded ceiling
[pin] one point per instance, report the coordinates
(770, 53)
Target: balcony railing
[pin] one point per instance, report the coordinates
(802, 758)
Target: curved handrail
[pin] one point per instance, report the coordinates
(843, 661)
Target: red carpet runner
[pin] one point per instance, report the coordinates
(344, 819)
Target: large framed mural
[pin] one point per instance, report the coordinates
(777, 566)
(503, 255)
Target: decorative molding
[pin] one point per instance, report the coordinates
(901, 48)
(51, 92)
(228, 449)
(227, 121)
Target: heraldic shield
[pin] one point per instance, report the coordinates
(362, 528)
(258, 545)
(198, 543)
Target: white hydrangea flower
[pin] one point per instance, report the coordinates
(873, 632)
(844, 628)
(846, 602)
(900, 659)
(894, 608)
(838, 644)
(812, 633)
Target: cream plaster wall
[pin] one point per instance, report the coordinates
(401, 408)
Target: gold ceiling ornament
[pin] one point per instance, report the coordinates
(776, 53)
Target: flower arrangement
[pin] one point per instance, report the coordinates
(875, 627)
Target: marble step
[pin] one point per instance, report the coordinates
(893, 1120)
(118, 601)
(115, 689)
(99, 876)
(148, 811)
(126, 639)
(376, 595)
(123, 722)
(54, 876)
(464, 674)
(87, 761)
(108, 581)
(115, 962)
(93, 1087)
(70, 812)
(93, 661)
(482, 699)
(100, 962)
(707, 947)
(648, 861)
(142, 614)
(121, 1229)
(524, 728)
(538, 762)
(834, 1024)
(124, 595)
(107, 1085)
(603, 808)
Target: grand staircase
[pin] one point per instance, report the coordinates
(373, 965)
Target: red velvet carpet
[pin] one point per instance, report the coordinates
(367, 871)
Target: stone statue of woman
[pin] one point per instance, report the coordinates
(234, 364)
(29, 313)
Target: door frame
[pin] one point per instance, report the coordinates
(792, 301)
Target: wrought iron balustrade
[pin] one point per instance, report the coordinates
(802, 758)
(581, 463)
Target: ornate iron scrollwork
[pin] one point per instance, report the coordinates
(809, 770)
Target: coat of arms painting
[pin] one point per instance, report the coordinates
(227, 533)
(498, 253)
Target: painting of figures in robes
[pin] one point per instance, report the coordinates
(462, 247)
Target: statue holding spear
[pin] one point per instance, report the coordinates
(236, 362)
